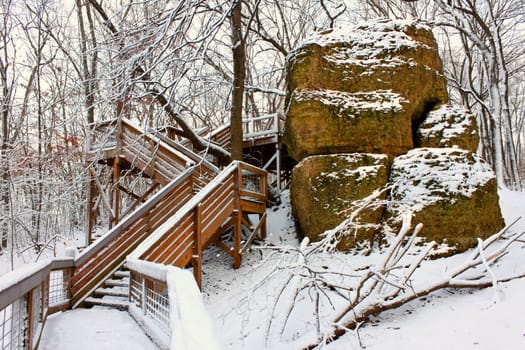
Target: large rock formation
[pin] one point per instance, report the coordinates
(452, 192)
(342, 96)
(326, 190)
(362, 97)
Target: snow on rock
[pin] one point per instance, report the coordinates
(362, 89)
(191, 325)
(449, 126)
(371, 39)
(350, 104)
(452, 192)
(425, 176)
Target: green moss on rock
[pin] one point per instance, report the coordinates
(328, 122)
(386, 57)
(324, 191)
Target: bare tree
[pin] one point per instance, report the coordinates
(7, 81)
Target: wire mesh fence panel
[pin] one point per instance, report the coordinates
(58, 287)
(13, 326)
(251, 182)
(156, 303)
(135, 288)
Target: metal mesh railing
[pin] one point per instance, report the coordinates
(251, 182)
(151, 296)
(157, 305)
(13, 325)
(254, 181)
(26, 300)
(58, 287)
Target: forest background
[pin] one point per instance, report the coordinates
(65, 65)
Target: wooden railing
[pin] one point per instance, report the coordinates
(149, 300)
(253, 128)
(161, 159)
(182, 239)
(144, 151)
(106, 255)
(163, 299)
(266, 125)
(27, 296)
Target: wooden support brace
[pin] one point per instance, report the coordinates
(237, 232)
(258, 228)
(103, 194)
(197, 247)
(224, 247)
(139, 200)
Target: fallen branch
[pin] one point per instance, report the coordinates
(377, 299)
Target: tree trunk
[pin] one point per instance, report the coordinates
(239, 71)
(4, 141)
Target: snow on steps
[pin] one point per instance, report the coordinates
(114, 292)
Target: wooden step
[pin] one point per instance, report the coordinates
(112, 292)
(121, 274)
(116, 283)
(117, 303)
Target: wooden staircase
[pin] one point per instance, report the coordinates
(114, 292)
(194, 205)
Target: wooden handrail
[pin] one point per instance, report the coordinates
(90, 251)
(161, 159)
(166, 228)
(27, 296)
(12, 287)
(182, 238)
(94, 265)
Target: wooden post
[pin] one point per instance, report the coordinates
(68, 276)
(91, 208)
(30, 320)
(143, 295)
(237, 230)
(116, 189)
(237, 219)
(197, 247)
(262, 233)
(278, 163)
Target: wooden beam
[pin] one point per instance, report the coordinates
(30, 320)
(237, 232)
(140, 199)
(104, 197)
(197, 247)
(259, 227)
(116, 190)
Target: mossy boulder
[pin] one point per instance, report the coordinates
(452, 192)
(392, 61)
(326, 190)
(449, 126)
(327, 122)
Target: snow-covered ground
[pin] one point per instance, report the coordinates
(241, 302)
(97, 328)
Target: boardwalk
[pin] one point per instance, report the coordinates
(97, 328)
